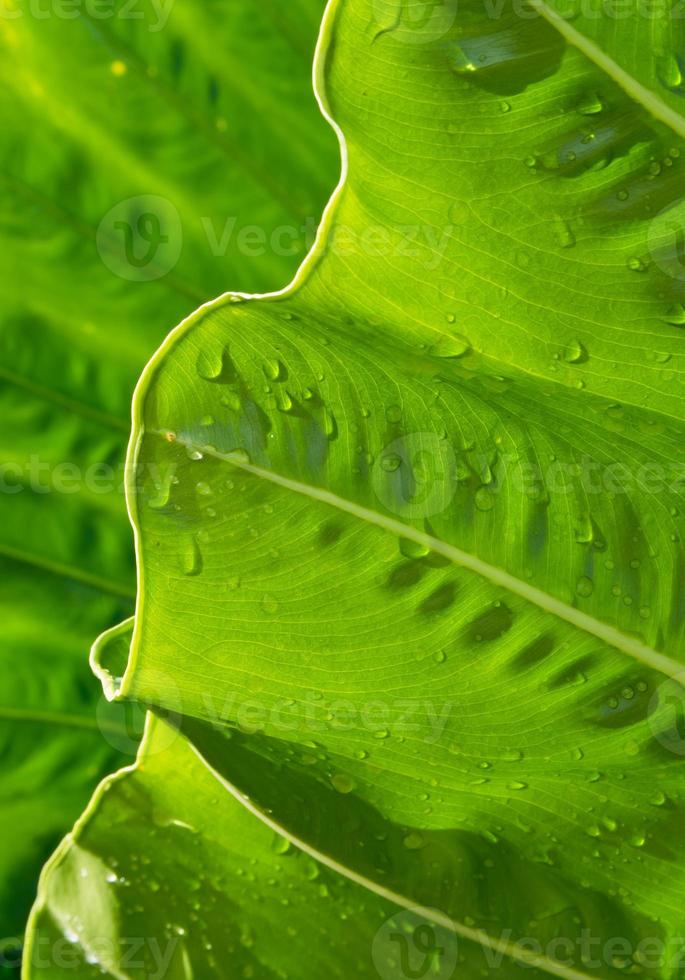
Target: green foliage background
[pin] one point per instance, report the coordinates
(209, 107)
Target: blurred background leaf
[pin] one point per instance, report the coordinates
(152, 155)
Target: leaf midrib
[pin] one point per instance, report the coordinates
(477, 936)
(633, 88)
(62, 720)
(610, 635)
(72, 572)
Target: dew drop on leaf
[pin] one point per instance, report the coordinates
(590, 105)
(452, 346)
(342, 783)
(413, 549)
(273, 369)
(574, 352)
(484, 500)
(669, 73)
(280, 845)
(636, 264)
(191, 558)
(391, 462)
(676, 315)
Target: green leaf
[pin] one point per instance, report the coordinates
(645, 55)
(147, 887)
(129, 116)
(417, 570)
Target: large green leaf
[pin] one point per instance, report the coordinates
(196, 896)
(184, 123)
(233, 897)
(419, 551)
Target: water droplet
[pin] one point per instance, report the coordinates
(216, 366)
(462, 62)
(584, 587)
(676, 315)
(284, 402)
(636, 264)
(564, 233)
(574, 352)
(330, 426)
(230, 399)
(453, 346)
(413, 549)
(191, 558)
(342, 783)
(280, 845)
(391, 462)
(484, 499)
(590, 105)
(669, 72)
(160, 496)
(239, 456)
(584, 529)
(273, 370)
(414, 842)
